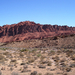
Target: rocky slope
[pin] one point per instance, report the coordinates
(30, 30)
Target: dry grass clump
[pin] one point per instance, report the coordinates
(31, 59)
(4, 49)
(68, 69)
(69, 52)
(34, 73)
(21, 54)
(72, 64)
(24, 69)
(56, 58)
(63, 60)
(39, 73)
(49, 63)
(41, 66)
(59, 51)
(38, 55)
(23, 50)
(6, 53)
(13, 60)
(34, 50)
(73, 57)
(2, 58)
(42, 57)
(49, 74)
(43, 61)
(52, 52)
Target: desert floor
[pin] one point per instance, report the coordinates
(37, 61)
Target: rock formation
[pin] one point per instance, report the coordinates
(30, 30)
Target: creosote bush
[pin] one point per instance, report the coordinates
(3, 48)
(24, 50)
(39, 55)
(2, 57)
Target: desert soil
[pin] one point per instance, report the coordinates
(37, 61)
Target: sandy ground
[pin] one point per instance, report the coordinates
(39, 61)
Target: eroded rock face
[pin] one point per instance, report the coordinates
(30, 30)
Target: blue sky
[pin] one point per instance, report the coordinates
(60, 12)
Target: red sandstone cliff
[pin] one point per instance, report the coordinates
(30, 30)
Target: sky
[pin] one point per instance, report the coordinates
(60, 12)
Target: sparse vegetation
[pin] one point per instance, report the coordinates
(3, 49)
(30, 60)
(27, 60)
(13, 60)
(2, 58)
(38, 55)
(24, 50)
(6, 53)
(49, 63)
(21, 54)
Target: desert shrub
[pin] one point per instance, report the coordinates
(38, 55)
(73, 57)
(34, 50)
(49, 63)
(68, 69)
(24, 50)
(52, 52)
(6, 53)
(72, 64)
(3, 49)
(49, 74)
(2, 57)
(56, 58)
(42, 57)
(59, 51)
(39, 73)
(65, 50)
(34, 73)
(13, 60)
(21, 54)
(30, 60)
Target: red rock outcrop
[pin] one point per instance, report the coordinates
(30, 30)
